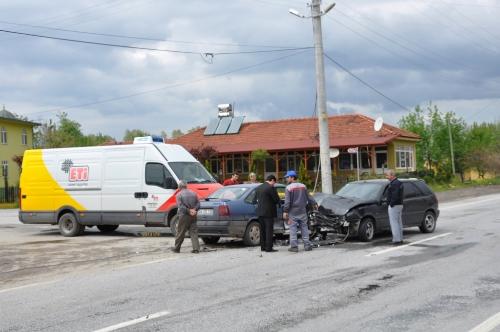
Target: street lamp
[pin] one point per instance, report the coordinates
(324, 137)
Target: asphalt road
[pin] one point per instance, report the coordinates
(445, 281)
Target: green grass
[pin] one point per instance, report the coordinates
(457, 184)
(8, 206)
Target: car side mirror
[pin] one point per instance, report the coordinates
(170, 183)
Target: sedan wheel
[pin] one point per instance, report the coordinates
(252, 234)
(429, 223)
(366, 230)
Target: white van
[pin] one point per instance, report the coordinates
(108, 186)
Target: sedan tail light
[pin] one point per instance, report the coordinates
(223, 210)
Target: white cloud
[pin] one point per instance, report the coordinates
(400, 48)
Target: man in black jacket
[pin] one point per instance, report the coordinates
(395, 209)
(266, 198)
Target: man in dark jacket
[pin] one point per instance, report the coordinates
(267, 198)
(187, 210)
(395, 209)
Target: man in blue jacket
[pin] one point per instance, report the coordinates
(395, 209)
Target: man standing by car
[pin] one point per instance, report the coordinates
(266, 198)
(187, 209)
(395, 209)
(295, 211)
(232, 180)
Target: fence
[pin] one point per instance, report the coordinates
(9, 195)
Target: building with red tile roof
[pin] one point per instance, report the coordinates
(292, 141)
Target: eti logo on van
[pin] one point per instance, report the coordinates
(76, 173)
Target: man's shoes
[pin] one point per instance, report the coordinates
(194, 251)
(175, 250)
(398, 243)
(293, 249)
(272, 250)
(308, 249)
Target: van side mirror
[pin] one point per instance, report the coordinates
(170, 183)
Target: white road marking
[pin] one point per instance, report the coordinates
(406, 245)
(133, 322)
(26, 286)
(488, 325)
(454, 205)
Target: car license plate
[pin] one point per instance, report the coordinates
(205, 212)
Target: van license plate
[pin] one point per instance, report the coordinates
(205, 212)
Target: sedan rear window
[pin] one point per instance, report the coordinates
(230, 193)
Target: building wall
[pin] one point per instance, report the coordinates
(13, 147)
(403, 148)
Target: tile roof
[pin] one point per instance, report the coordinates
(299, 133)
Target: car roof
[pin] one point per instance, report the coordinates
(251, 185)
(386, 181)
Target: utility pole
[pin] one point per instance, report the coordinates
(451, 148)
(324, 137)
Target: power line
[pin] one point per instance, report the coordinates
(151, 48)
(173, 85)
(365, 83)
(139, 37)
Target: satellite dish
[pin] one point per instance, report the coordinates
(334, 152)
(378, 124)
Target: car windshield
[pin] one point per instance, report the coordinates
(361, 190)
(230, 193)
(191, 172)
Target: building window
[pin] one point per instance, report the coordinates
(270, 165)
(404, 156)
(24, 137)
(3, 135)
(214, 166)
(237, 163)
(313, 162)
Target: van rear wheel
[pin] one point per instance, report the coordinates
(69, 226)
(107, 228)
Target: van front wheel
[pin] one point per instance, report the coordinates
(69, 226)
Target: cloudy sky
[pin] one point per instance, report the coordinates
(414, 52)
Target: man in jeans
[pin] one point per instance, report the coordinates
(187, 209)
(295, 211)
(395, 209)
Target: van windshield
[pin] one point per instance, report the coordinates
(191, 172)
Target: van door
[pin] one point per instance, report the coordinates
(123, 196)
(160, 186)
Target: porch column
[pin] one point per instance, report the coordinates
(373, 156)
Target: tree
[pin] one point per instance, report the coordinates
(66, 133)
(131, 134)
(176, 133)
(203, 153)
(434, 149)
(304, 175)
(258, 158)
(483, 148)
